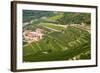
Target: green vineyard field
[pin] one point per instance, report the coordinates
(64, 45)
(66, 36)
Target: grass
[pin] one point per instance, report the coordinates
(59, 45)
(52, 26)
(55, 17)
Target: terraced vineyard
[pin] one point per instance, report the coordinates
(61, 40)
(72, 43)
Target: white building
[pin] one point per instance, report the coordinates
(33, 36)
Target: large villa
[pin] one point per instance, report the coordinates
(33, 36)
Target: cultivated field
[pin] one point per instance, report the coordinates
(60, 41)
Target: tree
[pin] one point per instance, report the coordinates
(75, 18)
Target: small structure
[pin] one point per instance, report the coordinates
(33, 36)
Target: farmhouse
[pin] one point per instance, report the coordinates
(33, 36)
